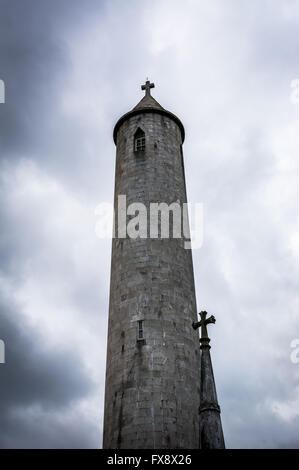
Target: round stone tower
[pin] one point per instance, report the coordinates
(152, 389)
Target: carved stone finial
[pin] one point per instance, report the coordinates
(147, 87)
(204, 321)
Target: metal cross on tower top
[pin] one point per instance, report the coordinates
(204, 321)
(147, 87)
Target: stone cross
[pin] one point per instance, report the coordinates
(204, 321)
(147, 87)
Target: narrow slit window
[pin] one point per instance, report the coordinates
(140, 329)
(139, 141)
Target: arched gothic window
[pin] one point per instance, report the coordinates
(139, 140)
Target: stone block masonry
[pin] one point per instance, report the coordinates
(152, 393)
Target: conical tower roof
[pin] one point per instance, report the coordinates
(148, 104)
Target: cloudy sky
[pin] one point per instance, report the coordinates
(71, 69)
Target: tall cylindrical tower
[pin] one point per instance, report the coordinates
(152, 378)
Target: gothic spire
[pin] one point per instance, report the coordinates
(210, 427)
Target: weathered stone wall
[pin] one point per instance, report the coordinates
(152, 386)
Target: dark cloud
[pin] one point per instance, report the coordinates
(30, 62)
(35, 64)
(42, 382)
(48, 380)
